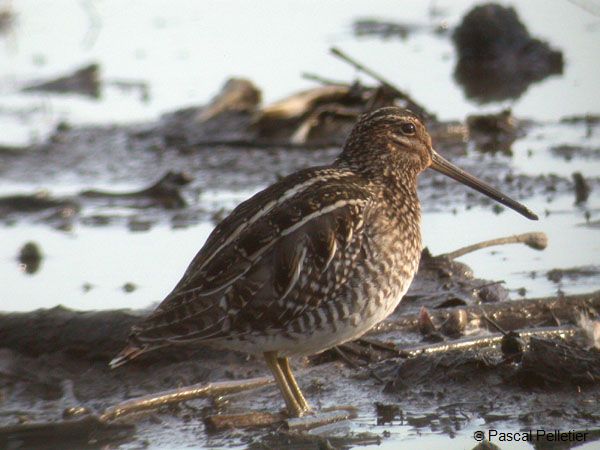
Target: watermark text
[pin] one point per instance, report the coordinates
(539, 435)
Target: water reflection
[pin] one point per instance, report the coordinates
(497, 57)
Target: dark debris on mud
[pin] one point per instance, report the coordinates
(236, 142)
(57, 381)
(497, 57)
(84, 81)
(46, 375)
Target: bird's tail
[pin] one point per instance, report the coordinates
(128, 353)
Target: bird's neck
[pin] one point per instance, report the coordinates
(399, 193)
(392, 179)
(395, 187)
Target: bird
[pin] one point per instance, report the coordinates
(312, 261)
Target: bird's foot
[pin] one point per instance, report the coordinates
(297, 410)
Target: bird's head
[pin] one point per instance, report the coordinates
(387, 140)
(393, 143)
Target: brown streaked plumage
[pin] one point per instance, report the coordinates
(312, 261)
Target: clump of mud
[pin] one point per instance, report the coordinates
(497, 57)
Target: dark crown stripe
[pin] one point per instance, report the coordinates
(391, 113)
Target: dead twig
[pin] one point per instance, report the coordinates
(323, 80)
(386, 346)
(321, 418)
(493, 323)
(254, 419)
(264, 419)
(346, 358)
(486, 341)
(512, 314)
(201, 390)
(413, 105)
(536, 240)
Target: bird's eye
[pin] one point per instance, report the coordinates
(408, 128)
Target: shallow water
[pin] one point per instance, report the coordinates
(106, 258)
(185, 51)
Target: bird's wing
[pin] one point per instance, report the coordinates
(278, 254)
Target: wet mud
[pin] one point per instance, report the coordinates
(165, 193)
(494, 132)
(442, 386)
(441, 363)
(57, 379)
(228, 144)
(555, 385)
(571, 274)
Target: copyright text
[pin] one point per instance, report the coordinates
(531, 436)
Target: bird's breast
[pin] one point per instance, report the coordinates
(392, 249)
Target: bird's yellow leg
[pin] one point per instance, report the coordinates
(284, 363)
(293, 407)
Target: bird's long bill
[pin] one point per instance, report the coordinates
(447, 168)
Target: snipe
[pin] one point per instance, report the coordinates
(314, 260)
